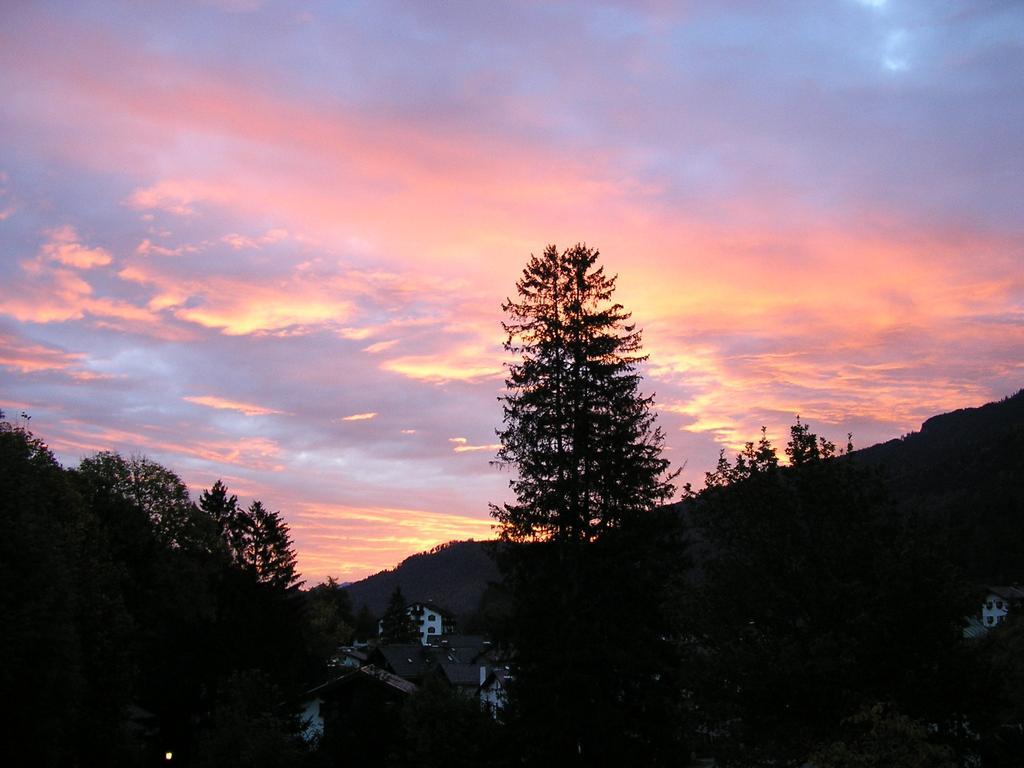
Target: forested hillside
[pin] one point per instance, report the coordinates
(964, 471)
(454, 576)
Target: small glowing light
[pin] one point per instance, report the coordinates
(168, 756)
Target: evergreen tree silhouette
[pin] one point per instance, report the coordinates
(581, 437)
(397, 625)
(593, 675)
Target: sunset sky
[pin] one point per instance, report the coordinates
(268, 241)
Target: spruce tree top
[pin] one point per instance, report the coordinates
(576, 428)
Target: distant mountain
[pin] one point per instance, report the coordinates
(454, 576)
(963, 471)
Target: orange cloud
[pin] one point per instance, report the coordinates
(360, 416)
(380, 346)
(462, 446)
(259, 454)
(462, 364)
(65, 247)
(238, 307)
(473, 448)
(211, 401)
(53, 295)
(33, 358)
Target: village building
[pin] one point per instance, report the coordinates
(339, 702)
(429, 620)
(999, 602)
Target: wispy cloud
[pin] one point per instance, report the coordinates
(64, 247)
(360, 416)
(220, 403)
(462, 445)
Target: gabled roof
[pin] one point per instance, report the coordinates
(394, 681)
(497, 676)
(464, 641)
(431, 606)
(463, 649)
(370, 672)
(405, 660)
(461, 675)
(360, 656)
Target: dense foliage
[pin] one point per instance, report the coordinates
(817, 601)
(137, 623)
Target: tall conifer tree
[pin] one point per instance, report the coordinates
(592, 680)
(268, 549)
(577, 430)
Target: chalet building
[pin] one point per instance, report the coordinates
(338, 705)
(493, 692)
(998, 603)
(430, 621)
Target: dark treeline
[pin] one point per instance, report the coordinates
(805, 610)
(136, 623)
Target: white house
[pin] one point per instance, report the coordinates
(998, 603)
(492, 688)
(430, 621)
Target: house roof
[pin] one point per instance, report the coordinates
(382, 675)
(465, 641)
(405, 660)
(497, 678)
(464, 649)
(376, 674)
(352, 652)
(1013, 593)
(461, 675)
(431, 606)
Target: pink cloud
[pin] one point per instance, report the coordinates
(459, 363)
(360, 416)
(238, 306)
(176, 197)
(64, 247)
(220, 403)
(26, 357)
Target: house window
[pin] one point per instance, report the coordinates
(999, 604)
(988, 605)
(989, 619)
(431, 630)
